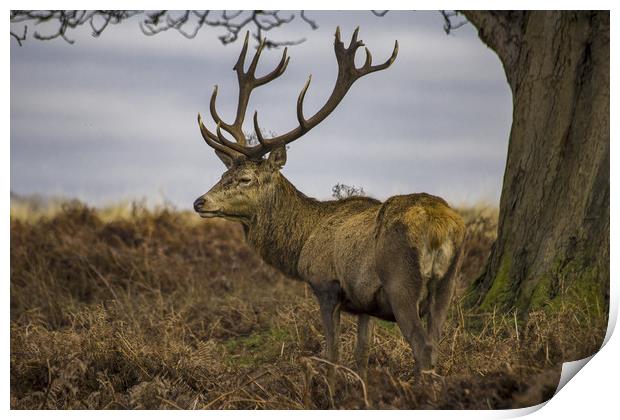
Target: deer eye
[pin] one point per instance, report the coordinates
(245, 180)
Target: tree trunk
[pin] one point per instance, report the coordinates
(553, 234)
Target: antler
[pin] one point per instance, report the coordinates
(347, 75)
(247, 82)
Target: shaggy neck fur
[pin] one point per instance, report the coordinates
(284, 220)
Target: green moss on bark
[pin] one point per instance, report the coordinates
(500, 292)
(541, 294)
(572, 284)
(580, 288)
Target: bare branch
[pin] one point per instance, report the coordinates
(67, 20)
(309, 21)
(379, 13)
(449, 23)
(20, 38)
(186, 22)
(98, 31)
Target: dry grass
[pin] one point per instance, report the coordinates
(159, 309)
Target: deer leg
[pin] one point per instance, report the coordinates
(398, 268)
(364, 335)
(425, 305)
(330, 315)
(405, 305)
(331, 323)
(438, 310)
(440, 296)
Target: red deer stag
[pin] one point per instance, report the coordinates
(395, 260)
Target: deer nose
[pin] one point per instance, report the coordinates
(198, 203)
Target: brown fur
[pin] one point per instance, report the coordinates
(396, 260)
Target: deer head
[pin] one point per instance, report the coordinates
(250, 175)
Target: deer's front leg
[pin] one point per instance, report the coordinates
(364, 335)
(329, 304)
(330, 315)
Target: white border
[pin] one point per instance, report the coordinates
(593, 394)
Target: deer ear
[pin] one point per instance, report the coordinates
(277, 157)
(227, 160)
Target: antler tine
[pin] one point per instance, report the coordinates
(267, 145)
(211, 140)
(224, 141)
(212, 109)
(275, 73)
(388, 62)
(354, 36)
(300, 104)
(368, 60)
(257, 130)
(252, 69)
(220, 138)
(348, 73)
(355, 44)
(238, 67)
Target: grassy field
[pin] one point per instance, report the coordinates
(131, 308)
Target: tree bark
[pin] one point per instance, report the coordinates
(553, 233)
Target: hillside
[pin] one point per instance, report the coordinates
(136, 308)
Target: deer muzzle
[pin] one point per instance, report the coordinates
(206, 207)
(198, 204)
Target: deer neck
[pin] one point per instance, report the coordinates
(283, 222)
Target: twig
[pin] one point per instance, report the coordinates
(20, 38)
(448, 24)
(309, 21)
(516, 325)
(195, 401)
(258, 385)
(235, 390)
(186, 22)
(124, 340)
(352, 372)
(170, 403)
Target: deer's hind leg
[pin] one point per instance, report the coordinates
(399, 270)
(440, 295)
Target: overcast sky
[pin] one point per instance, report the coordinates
(114, 117)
